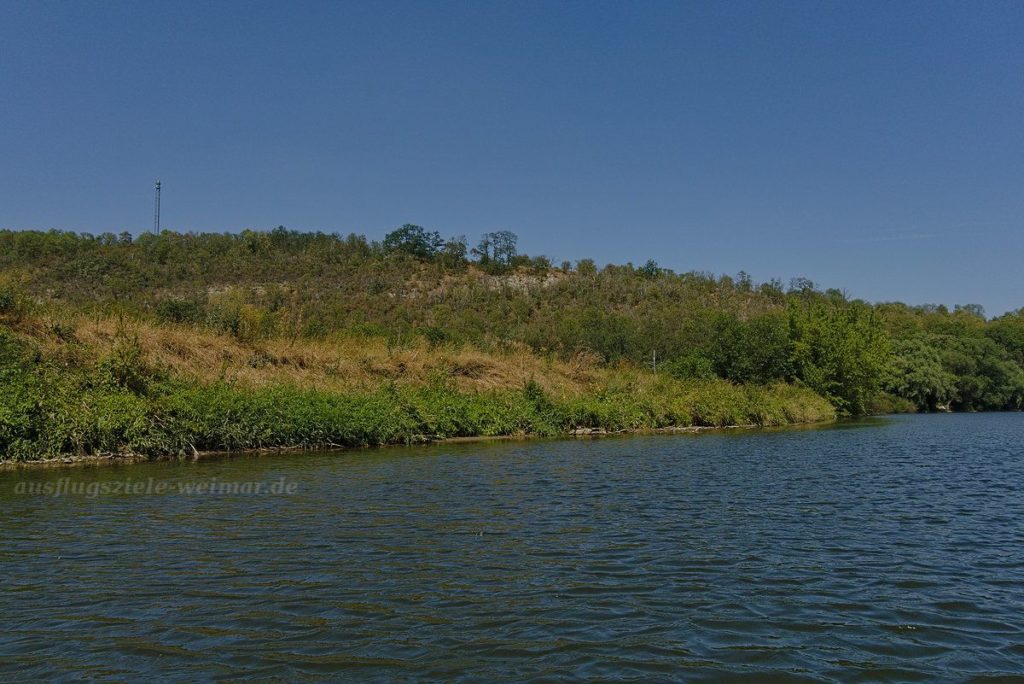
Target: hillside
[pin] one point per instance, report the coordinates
(499, 342)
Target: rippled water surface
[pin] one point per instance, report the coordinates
(889, 549)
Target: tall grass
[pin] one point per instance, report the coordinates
(106, 387)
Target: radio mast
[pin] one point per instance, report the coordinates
(156, 210)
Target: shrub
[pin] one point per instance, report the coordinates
(179, 311)
(14, 305)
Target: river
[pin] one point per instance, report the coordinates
(888, 549)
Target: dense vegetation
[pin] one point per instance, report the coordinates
(86, 321)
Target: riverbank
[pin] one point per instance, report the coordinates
(102, 459)
(177, 420)
(80, 389)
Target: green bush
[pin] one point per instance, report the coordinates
(179, 311)
(14, 304)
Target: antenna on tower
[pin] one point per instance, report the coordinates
(156, 210)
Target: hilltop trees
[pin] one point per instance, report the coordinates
(497, 249)
(415, 241)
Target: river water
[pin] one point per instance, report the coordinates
(884, 549)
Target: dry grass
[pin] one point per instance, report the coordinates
(336, 363)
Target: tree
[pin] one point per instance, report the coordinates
(650, 269)
(586, 267)
(483, 250)
(497, 249)
(1008, 332)
(838, 351)
(986, 378)
(415, 241)
(453, 254)
(504, 246)
(755, 351)
(916, 373)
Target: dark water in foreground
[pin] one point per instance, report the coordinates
(880, 550)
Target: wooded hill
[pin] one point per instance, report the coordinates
(416, 290)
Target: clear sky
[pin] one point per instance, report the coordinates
(877, 147)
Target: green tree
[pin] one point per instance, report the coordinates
(916, 373)
(838, 351)
(650, 269)
(453, 253)
(751, 351)
(415, 241)
(497, 249)
(1008, 332)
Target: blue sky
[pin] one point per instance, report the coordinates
(877, 147)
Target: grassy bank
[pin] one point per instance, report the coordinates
(91, 386)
